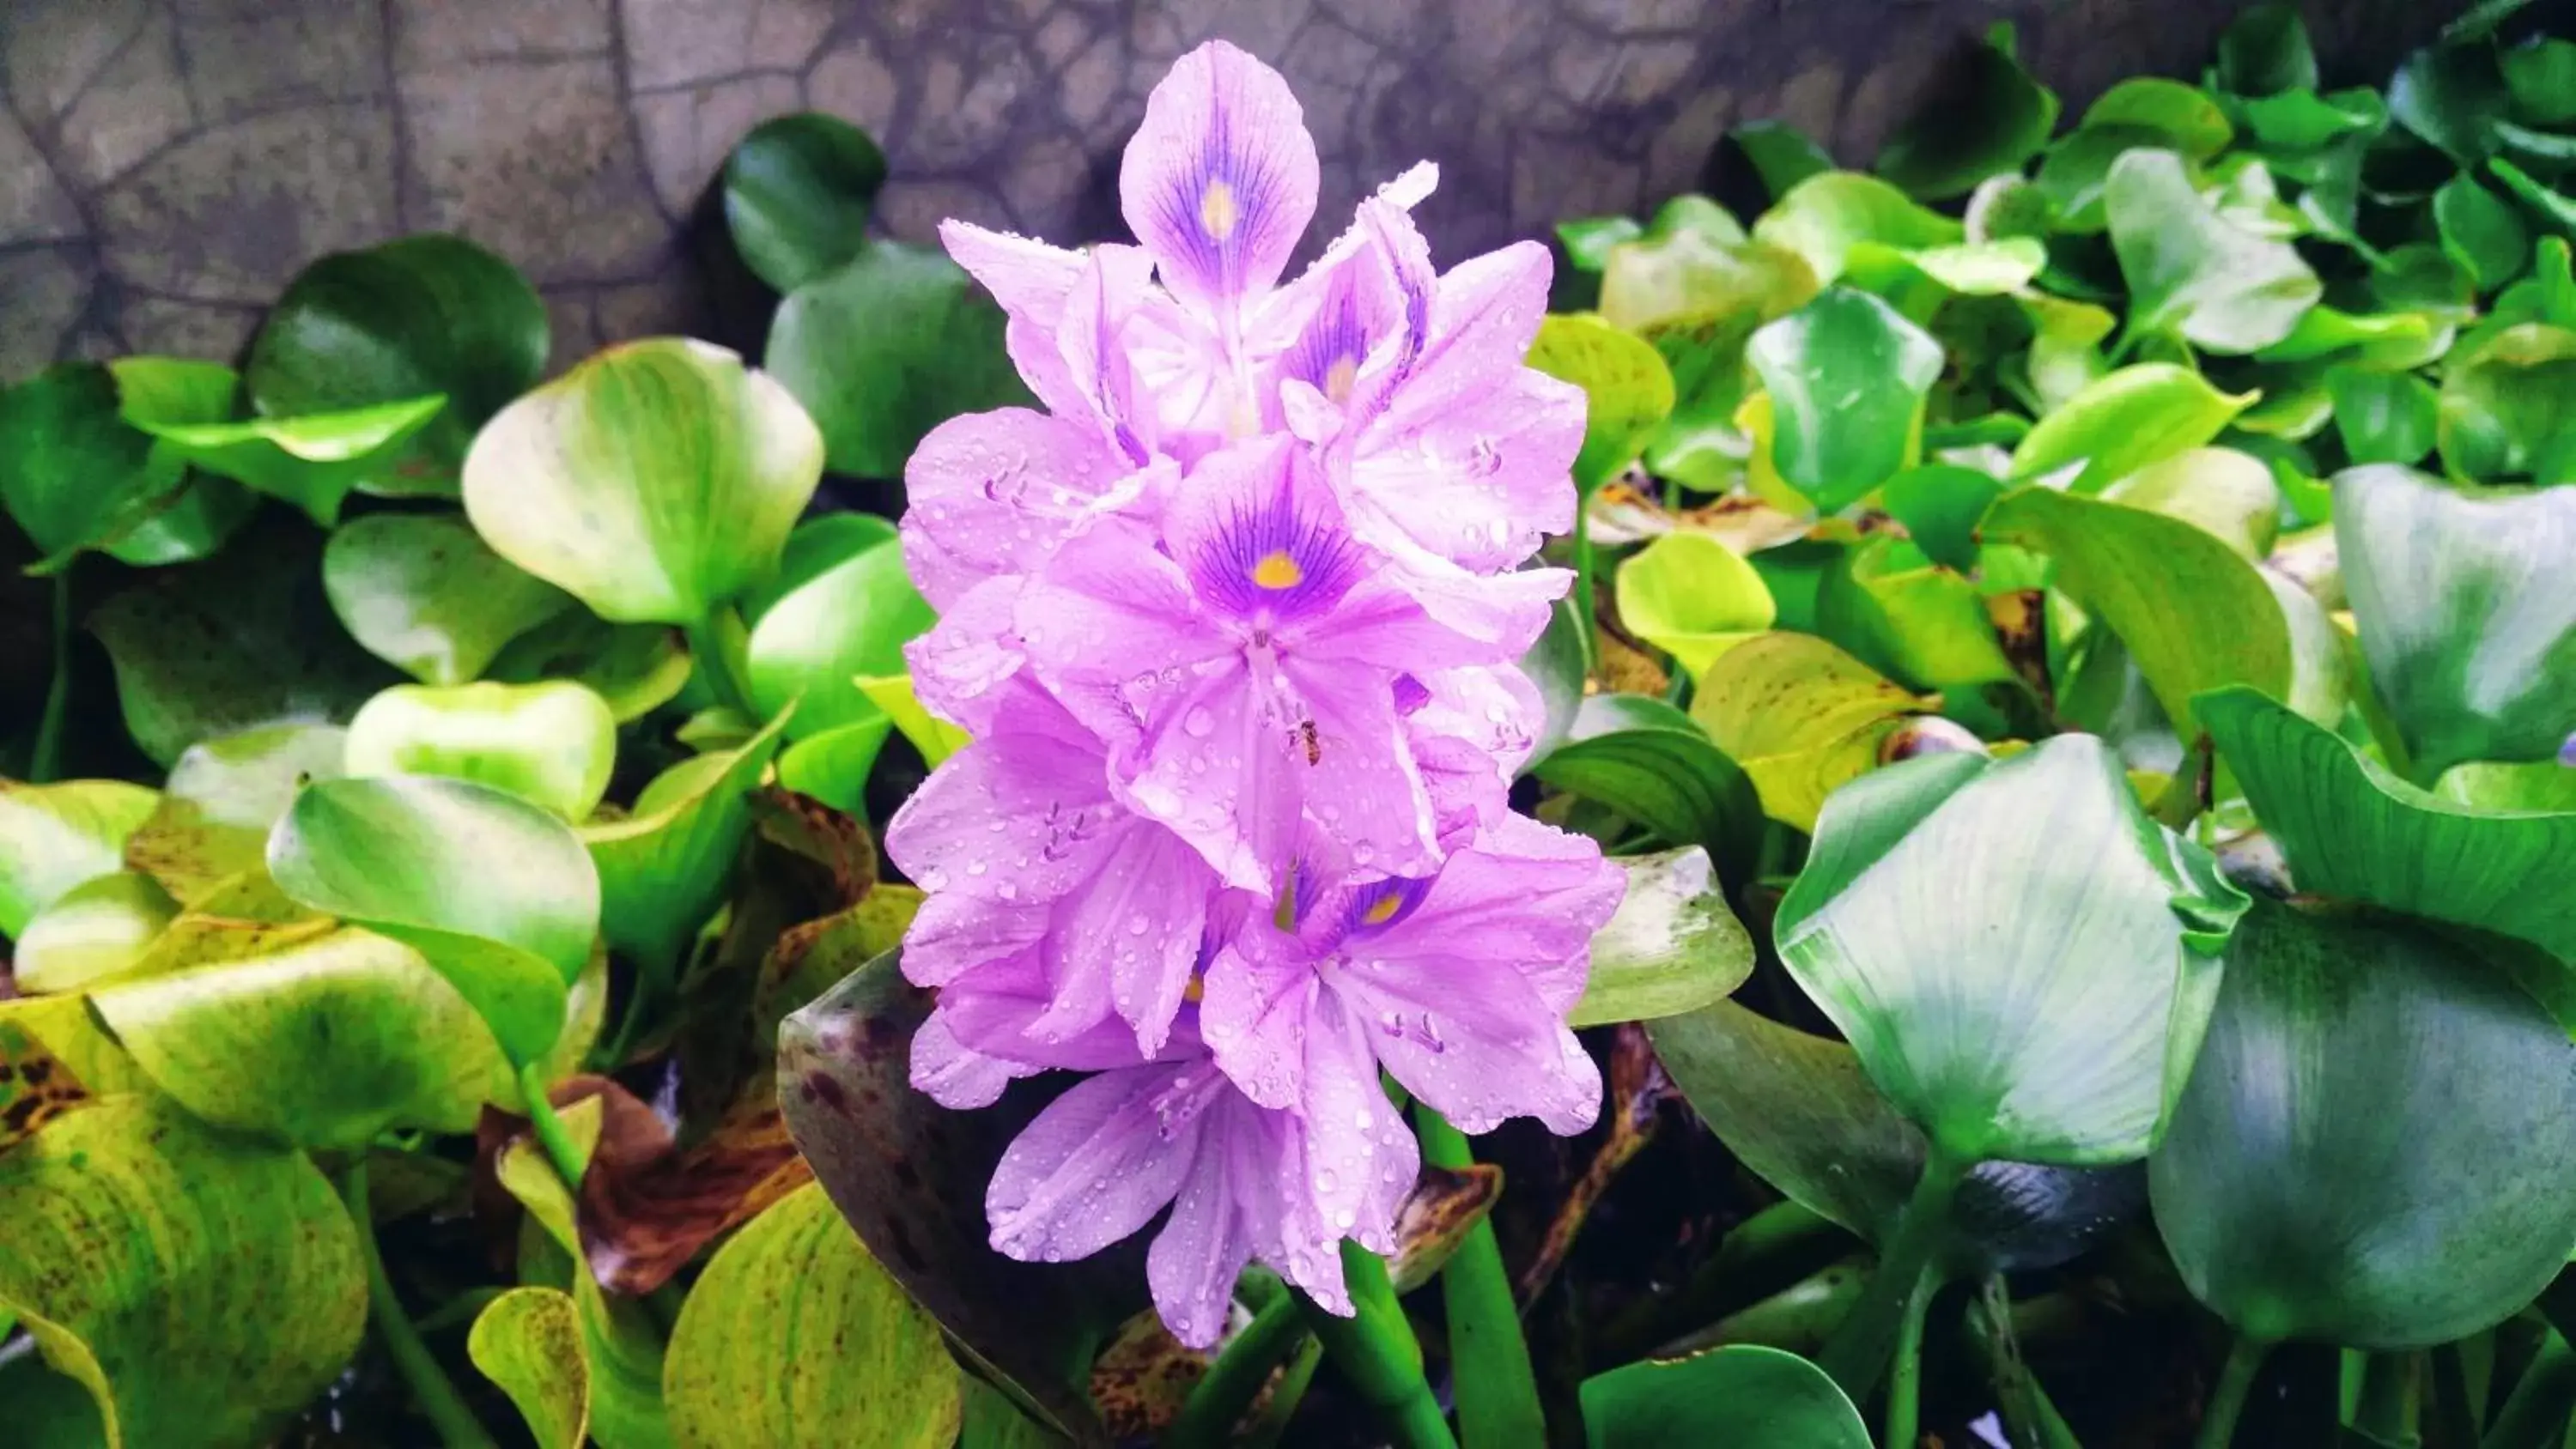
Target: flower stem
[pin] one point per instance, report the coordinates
(2227, 1401)
(1498, 1403)
(1859, 1350)
(1377, 1352)
(45, 764)
(1226, 1391)
(1905, 1389)
(430, 1387)
(2535, 1415)
(549, 1128)
(716, 645)
(1584, 606)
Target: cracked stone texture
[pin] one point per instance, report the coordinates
(167, 165)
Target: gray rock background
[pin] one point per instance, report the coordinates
(167, 165)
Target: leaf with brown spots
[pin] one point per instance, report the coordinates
(1445, 1204)
(910, 1177)
(837, 848)
(643, 1221)
(35, 1085)
(2021, 628)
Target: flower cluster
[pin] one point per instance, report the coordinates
(1233, 623)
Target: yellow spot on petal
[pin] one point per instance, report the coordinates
(1217, 210)
(1277, 570)
(1196, 989)
(1382, 910)
(1338, 378)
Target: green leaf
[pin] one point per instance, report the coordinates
(797, 193)
(2358, 1074)
(2540, 74)
(311, 460)
(663, 869)
(850, 618)
(2185, 115)
(1589, 240)
(551, 744)
(2463, 613)
(2452, 96)
(322, 1044)
(1626, 385)
(2194, 272)
(529, 1342)
(2122, 422)
(2065, 354)
(1740, 1394)
(1647, 760)
(2226, 493)
(1987, 117)
(1692, 597)
(910, 1175)
(886, 347)
(2383, 417)
(1798, 1111)
(240, 640)
(2482, 231)
(1940, 505)
(422, 592)
(53, 837)
(934, 737)
(2506, 406)
(833, 766)
(2292, 127)
(1847, 376)
(1922, 625)
(497, 894)
(93, 931)
(1672, 946)
(637, 668)
(794, 1336)
(141, 1244)
(2193, 613)
(602, 481)
(2265, 52)
(422, 315)
(2350, 831)
(1825, 216)
(1799, 717)
(212, 822)
(1782, 155)
(73, 472)
(1961, 918)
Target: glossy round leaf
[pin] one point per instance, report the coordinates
(663, 869)
(311, 460)
(424, 315)
(1671, 947)
(139, 1246)
(1988, 116)
(848, 619)
(2125, 420)
(323, 1044)
(833, 766)
(2506, 404)
(1648, 761)
(212, 822)
(497, 894)
(552, 744)
(794, 1337)
(1847, 376)
(2377, 1147)
(1799, 717)
(1627, 388)
(1940, 505)
(637, 668)
(797, 193)
(1740, 1394)
(2464, 613)
(423, 593)
(2020, 958)
(2266, 51)
(240, 640)
(2194, 271)
(2481, 230)
(53, 837)
(1692, 597)
(603, 481)
(2185, 115)
(2383, 417)
(92, 932)
(1825, 216)
(885, 348)
(529, 1342)
(73, 473)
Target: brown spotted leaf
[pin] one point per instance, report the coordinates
(643, 1221)
(909, 1175)
(1445, 1203)
(35, 1085)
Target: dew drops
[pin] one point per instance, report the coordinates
(975, 867)
(1137, 925)
(1345, 1218)
(1327, 1181)
(1198, 723)
(1007, 891)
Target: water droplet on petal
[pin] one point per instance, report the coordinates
(1199, 723)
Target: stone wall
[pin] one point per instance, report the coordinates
(166, 165)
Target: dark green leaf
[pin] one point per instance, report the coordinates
(1988, 116)
(2184, 115)
(2383, 417)
(1781, 154)
(797, 192)
(1847, 376)
(2541, 75)
(73, 472)
(1741, 1394)
(845, 618)
(2452, 96)
(1651, 763)
(2508, 405)
(2265, 52)
(886, 347)
(1940, 505)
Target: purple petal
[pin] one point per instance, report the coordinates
(1357, 776)
(1100, 1161)
(954, 1075)
(1051, 799)
(1505, 613)
(1027, 276)
(1483, 319)
(1479, 482)
(1494, 709)
(1110, 609)
(998, 492)
(1527, 898)
(1261, 537)
(1112, 285)
(969, 660)
(1205, 1244)
(1220, 180)
(1259, 996)
(1003, 1011)
(1133, 935)
(1361, 1158)
(1215, 767)
(954, 933)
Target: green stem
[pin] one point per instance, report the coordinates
(45, 765)
(2391, 1398)
(1584, 604)
(430, 1387)
(1267, 1430)
(1490, 1373)
(1226, 1391)
(2031, 1421)
(2535, 1415)
(1377, 1352)
(716, 646)
(2227, 1401)
(549, 1128)
(1858, 1352)
(1905, 1389)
